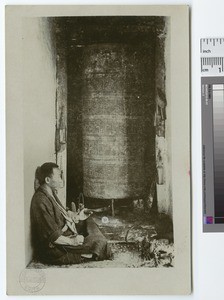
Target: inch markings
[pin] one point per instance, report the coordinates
(212, 46)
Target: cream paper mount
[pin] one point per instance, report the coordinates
(150, 56)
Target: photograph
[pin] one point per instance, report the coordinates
(111, 143)
(98, 99)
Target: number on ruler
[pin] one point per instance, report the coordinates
(211, 62)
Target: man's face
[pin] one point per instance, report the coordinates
(55, 180)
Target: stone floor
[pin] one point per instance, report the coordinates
(137, 239)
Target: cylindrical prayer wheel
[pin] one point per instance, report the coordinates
(117, 120)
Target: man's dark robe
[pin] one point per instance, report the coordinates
(46, 226)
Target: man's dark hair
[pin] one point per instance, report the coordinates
(46, 170)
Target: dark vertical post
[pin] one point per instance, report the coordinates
(112, 208)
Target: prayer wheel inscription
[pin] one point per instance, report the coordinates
(117, 99)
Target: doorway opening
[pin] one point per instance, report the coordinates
(111, 108)
(111, 113)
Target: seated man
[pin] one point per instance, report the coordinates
(58, 237)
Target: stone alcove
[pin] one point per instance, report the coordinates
(111, 107)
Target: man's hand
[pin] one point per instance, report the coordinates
(70, 240)
(84, 214)
(74, 216)
(77, 240)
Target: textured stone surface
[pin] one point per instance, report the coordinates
(116, 95)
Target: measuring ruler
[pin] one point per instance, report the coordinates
(212, 100)
(212, 57)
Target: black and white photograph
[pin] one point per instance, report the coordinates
(111, 145)
(103, 126)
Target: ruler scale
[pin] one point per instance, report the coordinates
(212, 97)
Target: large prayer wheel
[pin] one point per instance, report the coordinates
(117, 121)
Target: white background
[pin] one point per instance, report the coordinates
(207, 20)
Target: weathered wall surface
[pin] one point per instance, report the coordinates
(39, 93)
(61, 111)
(163, 121)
